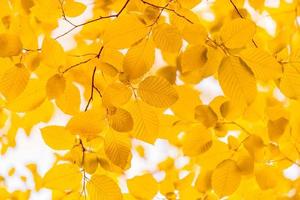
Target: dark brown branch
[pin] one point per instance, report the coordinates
(92, 89)
(77, 64)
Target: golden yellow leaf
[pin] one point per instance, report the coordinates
(194, 57)
(124, 32)
(88, 124)
(69, 100)
(157, 91)
(143, 187)
(237, 81)
(264, 66)
(53, 54)
(33, 96)
(13, 82)
(226, 178)
(289, 83)
(237, 33)
(117, 94)
(120, 119)
(194, 34)
(73, 8)
(117, 148)
(101, 187)
(206, 115)
(56, 86)
(167, 38)
(139, 59)
(266, 177)
(11, 45)
(197, 141)
(58, 137)
(145, 122)
(63, 177)
(90, 162)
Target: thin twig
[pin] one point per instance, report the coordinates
(92, 89)
(75, 26)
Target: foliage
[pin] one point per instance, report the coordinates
(134, 75)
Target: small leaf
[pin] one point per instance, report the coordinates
(237, 33)
(88, 124)
(118, 148)
(139, 59)
(143, 187)
(14, 81)
(57, 137)
(197, 141)
(56, 86)
(101, 187)
(226, 178)
(157, 91)
(167, 38)
(120, 119)
(10, 44)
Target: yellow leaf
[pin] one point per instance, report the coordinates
(167, 38)
(117, 94)
(139, 59)
(124, 32)
(237, 33)
(69, 100)
(52, 53)
(290, 82)
(237, 81)
(101, 187)
(194, 34)
(193, 58)
(87, 124)
(145, 120)
(73, 8)
(276, 128)
(33, 96)
(90, 162)
(157, 91)
(226, 178)
(118, 148)
(266, 177)
(168, 72)
(56, 86)
(63, 177)
(197, 141)
(57, 137)
(264, 66)
(120, 119)
(10, 44)
(143, 187)
(206, 115)
(13, 82)
(189, 3)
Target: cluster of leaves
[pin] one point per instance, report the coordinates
(133, 74)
